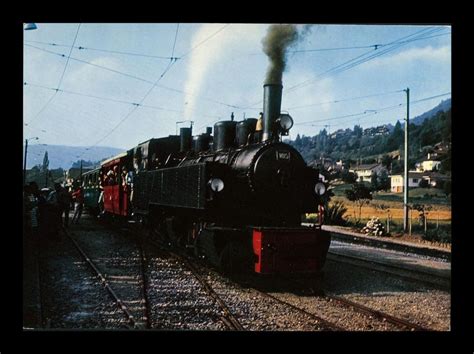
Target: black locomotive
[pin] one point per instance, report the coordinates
(236, 197)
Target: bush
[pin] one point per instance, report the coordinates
(438, 235)
(424, 184)
(334, 214)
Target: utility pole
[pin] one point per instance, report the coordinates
(24, 164)
(26, 155)
(80, 175)
(405, 189)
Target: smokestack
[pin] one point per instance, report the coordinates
(271, 110)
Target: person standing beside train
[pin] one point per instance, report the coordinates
(78, 197)
(100, 202)
(64, 202)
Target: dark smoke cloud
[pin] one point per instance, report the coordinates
(278, 40)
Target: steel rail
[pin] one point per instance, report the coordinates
(144, 284)
(120, 304)
(379, 314)
(229, 318)
(329, 325)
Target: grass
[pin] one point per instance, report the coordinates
(381, 209)
(431, 196)
(435, 232)
(416, 195)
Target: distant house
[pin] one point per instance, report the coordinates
(430, 164)
(438, 151)
(364, 172)
(397, 181)
(376, 131)
(324, 162)
(339, 165)
(435, 178)
(414, 179)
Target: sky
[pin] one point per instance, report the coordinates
(115, 85)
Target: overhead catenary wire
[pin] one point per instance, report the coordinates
(175, 38)
(203, 41)
(345, 99)
(374, 46)
(135, 77)
(170, 64)
(112, 99)
(105, 50)
(136, 105)
(366, 56)
(133, 108)
(61, 78)
(369, 112)
(358, 60)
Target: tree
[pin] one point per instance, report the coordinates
(348, 177)
(446, 163)
(373, 182)
(397, 166)
(447, 188)
(383, 180)
(85, 164)
(358, 131)
(386, 161)
(424, 183)
(360, 195)
(298, 141)
(45, 162)
(396, 138)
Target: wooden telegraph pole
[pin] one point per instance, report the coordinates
(405, 189)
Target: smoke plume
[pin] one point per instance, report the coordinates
(278, 40)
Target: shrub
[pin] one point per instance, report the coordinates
(334, 214)
(438, 235)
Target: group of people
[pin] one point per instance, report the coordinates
(46, 211)
(112, 177)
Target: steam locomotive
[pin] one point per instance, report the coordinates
(235, 197)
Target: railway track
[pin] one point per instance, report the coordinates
(229, 319)
(232, 323)
(328, 325)
(370, 312)
(400, 322)
(135, 323)
(430, 279)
